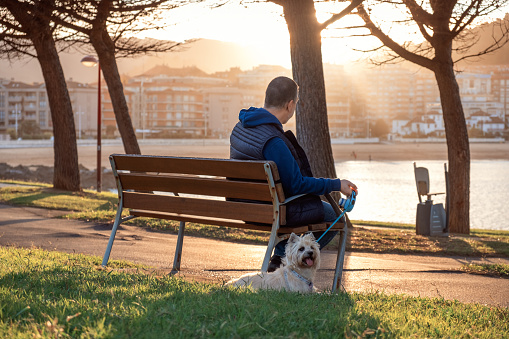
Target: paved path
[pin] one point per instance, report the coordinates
(217, 261)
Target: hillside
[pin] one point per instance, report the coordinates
(486, 34)
(207, 55)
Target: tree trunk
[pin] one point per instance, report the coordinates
(66, 174)
(458, 148)
(106, 52)
(306, 55)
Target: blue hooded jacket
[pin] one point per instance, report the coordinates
(275, 149)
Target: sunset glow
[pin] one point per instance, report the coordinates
(262, 27)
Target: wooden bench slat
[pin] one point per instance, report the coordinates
(216, 167)
(200, 220)
(201, 207)
(196, 185)
(217, 222)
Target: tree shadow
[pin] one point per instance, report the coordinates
(499, 247)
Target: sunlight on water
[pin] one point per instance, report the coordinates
(387, 190)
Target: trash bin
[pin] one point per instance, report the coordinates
(431, 219)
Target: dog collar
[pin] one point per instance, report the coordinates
(309, 283)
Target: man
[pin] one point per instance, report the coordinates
(259, 135)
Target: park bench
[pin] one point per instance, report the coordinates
(201, 191)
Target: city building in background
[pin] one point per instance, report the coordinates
(186, 102)
(22, 103)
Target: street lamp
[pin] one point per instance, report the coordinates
(91, 61)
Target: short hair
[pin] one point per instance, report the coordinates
(280, 91)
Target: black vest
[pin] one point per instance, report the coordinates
(248, 144)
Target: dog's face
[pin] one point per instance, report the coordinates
(302, 251)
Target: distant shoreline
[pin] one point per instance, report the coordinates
(87, 155)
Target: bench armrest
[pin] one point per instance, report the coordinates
(292, 198)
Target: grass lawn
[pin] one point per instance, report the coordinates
(383, 238)
(52, 294)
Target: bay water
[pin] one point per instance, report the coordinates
(388, 193)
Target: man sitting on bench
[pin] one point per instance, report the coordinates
(259, 135)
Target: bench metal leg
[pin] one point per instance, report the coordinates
(270, 247)
(341, 258)
(178, 249)
(118, 221)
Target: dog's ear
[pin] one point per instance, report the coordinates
(311, 235)
(293, 238)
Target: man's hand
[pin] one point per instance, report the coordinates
(347, 187)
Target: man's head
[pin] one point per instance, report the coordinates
(281, 98)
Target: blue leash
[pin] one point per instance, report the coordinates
(347, 205)
(331, 225)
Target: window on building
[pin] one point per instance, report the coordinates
(42, 118)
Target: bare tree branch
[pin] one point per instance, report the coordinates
(353, 4)
(387, 41)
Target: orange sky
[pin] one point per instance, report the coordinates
(262, 26)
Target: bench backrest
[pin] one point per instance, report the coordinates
(200, 187)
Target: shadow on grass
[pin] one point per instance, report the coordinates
(85, 302)
(454, 245)
(500, 248)
(31, 199)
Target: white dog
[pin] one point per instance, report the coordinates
(297, 273)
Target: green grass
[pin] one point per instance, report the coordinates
(52, 294)
(381, 240)
(499, 270)
(384, 238)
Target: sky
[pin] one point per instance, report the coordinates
(258, 26)
(261, 25)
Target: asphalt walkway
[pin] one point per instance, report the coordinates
(217, 261)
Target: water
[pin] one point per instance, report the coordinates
(387, 190)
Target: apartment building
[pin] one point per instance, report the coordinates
(171, 106)
(476, 95)
(20, 102)
(389, 92)
(500, 88)
(84, 103)
(338, 97)
(426, 91)
(222, 106)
